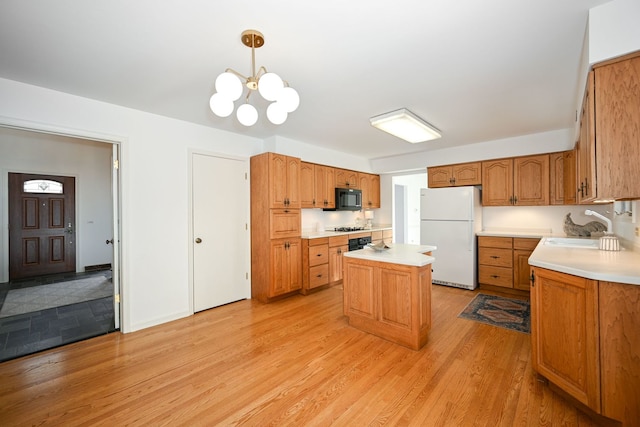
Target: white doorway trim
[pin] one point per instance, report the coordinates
(119, 143)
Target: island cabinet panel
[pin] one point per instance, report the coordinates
(565, 333)
(392, 301)
(359, 297)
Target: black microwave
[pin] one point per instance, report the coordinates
(348, 199)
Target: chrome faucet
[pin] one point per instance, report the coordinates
(607, 220)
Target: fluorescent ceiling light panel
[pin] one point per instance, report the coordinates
(405, 125)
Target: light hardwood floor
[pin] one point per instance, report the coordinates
(292, 362)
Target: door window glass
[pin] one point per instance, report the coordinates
(42, 186)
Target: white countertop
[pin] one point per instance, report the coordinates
(612, 266)
(307, 234)
(526, 232)
(398, 254)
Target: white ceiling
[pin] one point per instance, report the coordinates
(478, 71)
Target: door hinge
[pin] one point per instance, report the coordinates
(116, 164)
(246, 276)
(116, 298)
(246, 226)
(245, 176)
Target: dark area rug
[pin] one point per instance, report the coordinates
(498, 311)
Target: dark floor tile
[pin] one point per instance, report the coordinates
(15, 323)
(20, 338)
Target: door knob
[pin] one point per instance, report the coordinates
(198, 240)
(109, 241)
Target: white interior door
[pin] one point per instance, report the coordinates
(115, 266)
(221, 242)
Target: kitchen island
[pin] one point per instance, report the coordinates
(388, 294)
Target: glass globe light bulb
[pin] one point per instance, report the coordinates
(276, 114)
(270, 85)
(247, 114)
(221, 105)
(289, 99)
(229, 85)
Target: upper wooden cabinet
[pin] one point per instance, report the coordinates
(562, 178)
(455, 175)
(347, 178)
(284, 181)
(317, 186)
(608, 147)
(521, 181)
(370, 186)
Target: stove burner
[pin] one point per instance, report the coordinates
(348, 228)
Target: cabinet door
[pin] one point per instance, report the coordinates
(617, 128)
(346, 178)
(335, 263)
(294, 264)
(531, 180)
(587, 147)
(284, 180)
(370, 186)
(565, 333)
(440, 176)
(569, 177)
(325, 187)
(497, 182)
(284, 223)
(307, 185)
(521, 272)
(279, 268)
(359, 296)
(556, 179)
(467, 174)
(293, 182)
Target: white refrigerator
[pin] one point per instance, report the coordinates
(449, 219)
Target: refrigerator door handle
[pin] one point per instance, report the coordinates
(470, 236)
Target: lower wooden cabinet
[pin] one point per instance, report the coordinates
(565, 333)
(585, 339)
(315, 263)
(338, 245)
(286, 274)
(504, 261)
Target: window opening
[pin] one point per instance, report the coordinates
(42, 186)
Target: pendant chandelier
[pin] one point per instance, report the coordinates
(229, 88)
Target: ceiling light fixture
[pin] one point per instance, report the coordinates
(406, 125)
(270, 85)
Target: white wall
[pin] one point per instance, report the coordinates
(613, 29)
(154, 184)
(88, 161)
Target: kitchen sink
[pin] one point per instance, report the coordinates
(572, 242)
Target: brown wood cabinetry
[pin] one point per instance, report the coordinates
(585, 340)
(381, 235)
(284, 180)
(565, 333)
(455, 175)
(504, 261)
(389, 300)
(608, 147)
(370, 186)
(338, 245)
(315, 263)
(519, 181)
(346, 178)
(317, 186)
(276, 253)
(556, 178)
(569, 168)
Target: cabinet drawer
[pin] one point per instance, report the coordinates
(496, 276)
(525, 243)
(284, 223)
(339, 240)
(376, 235)
(387, 235)
(318, 255)
(495, 242)
(318, 275)
(495, 257)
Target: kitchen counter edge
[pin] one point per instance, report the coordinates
(610, 266)
(331, 233)
(404, 254)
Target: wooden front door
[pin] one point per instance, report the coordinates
(41, 225)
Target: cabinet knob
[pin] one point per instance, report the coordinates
(319, 255)
(494, 276)
(495, 256)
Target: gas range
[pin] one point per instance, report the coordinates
(348, 228)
